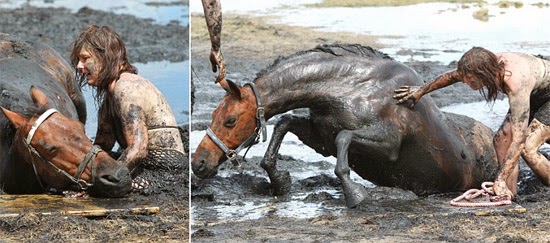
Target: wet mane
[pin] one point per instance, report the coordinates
(332, 49)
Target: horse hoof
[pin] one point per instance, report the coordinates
(355, 195)
(281, 183)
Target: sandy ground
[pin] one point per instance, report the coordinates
(249, 44)
(145, 42)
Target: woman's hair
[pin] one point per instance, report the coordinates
(485, 67)
(110, 52)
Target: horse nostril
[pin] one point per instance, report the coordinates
(110, 179)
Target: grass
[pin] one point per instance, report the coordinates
(379, 3)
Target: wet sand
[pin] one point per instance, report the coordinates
(249, 44)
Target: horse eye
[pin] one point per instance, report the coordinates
(230, 122)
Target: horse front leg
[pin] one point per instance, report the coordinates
(280, 180)
(384, 140)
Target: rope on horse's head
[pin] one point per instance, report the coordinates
(487, 191)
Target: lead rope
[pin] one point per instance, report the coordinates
(486, 190)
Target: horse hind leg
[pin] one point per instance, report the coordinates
(384, 140)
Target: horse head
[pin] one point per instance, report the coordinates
(236, 124)
(63, 157)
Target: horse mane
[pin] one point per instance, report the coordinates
(331, 49)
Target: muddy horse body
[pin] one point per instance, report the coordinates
(348, 90)
(24, 65)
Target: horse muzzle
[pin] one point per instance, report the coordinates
(203, 165)
(116, 184)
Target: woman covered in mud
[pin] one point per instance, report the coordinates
(525, 79)
(132, 111)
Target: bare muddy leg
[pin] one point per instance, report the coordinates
(377, 138)
(538, 134)
(501, 142)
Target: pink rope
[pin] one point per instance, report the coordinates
(487, 191)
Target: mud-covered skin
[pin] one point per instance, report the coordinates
(348, 90)
(33, 78)
(213, 16)
(137, 116)
(414, 93)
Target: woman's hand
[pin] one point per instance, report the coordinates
(413, 93)
(501, 189)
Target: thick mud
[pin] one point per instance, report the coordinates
(237, 205)
(146, 41)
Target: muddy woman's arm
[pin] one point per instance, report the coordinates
(414, 93)
(134, 128)
(213, 16)
(519, 119)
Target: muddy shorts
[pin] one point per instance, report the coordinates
(540, 99)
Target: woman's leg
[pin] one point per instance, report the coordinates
(537, 135)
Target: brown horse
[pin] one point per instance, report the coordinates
(348, 91)
(43, 144)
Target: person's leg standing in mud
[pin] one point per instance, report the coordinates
(213, 16)
(538, 134)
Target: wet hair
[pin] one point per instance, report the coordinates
(108, 49)
(485, 67)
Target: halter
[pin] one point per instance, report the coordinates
(253, 139)
(88, 159)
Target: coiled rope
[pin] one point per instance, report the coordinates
(487, 191)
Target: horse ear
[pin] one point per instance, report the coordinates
(39, 98)
(18, 120)
(234, 89)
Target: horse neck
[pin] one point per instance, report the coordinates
(283, 96)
